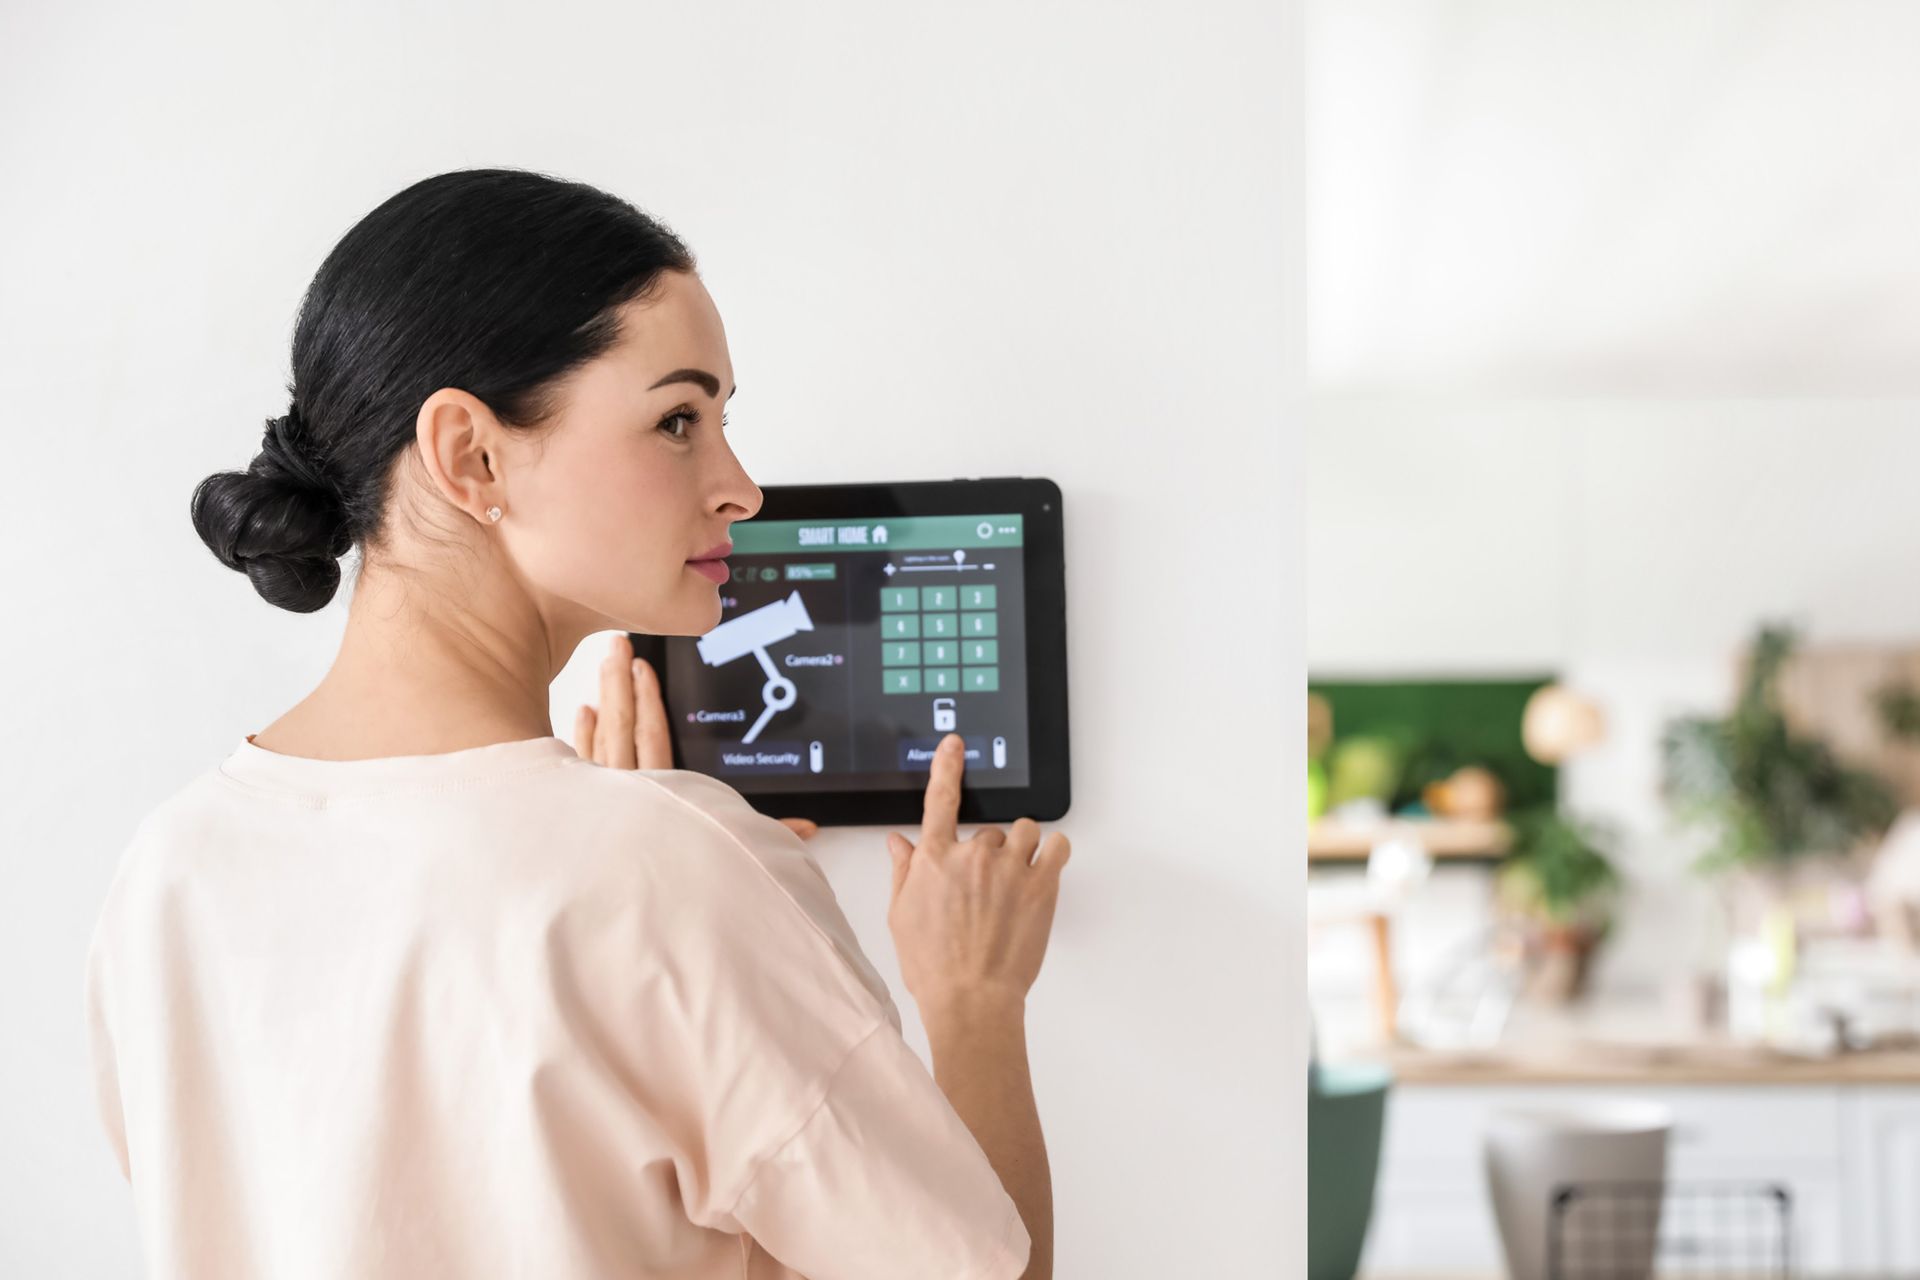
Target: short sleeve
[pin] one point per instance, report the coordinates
(826, 1138)
(884, 1180)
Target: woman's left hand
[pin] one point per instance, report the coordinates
(633, 733)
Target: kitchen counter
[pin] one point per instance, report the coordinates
(1680, 1062)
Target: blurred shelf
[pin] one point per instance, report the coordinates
(1330, 840)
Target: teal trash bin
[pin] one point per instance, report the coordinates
(1346, 1116)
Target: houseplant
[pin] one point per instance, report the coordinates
(1768, 795)
(1782, 812)
(1558, 880)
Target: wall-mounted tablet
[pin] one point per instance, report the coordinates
(862, 624)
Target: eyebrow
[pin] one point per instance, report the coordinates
(699, 377)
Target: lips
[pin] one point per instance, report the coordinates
(712, 565)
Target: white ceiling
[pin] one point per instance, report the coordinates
(1614, 197)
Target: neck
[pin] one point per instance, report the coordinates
(420, 673)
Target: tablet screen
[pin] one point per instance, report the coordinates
(847, 648)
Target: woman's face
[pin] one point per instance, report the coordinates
(608, 513)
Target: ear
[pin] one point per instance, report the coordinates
(457, 440)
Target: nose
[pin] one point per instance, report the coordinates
(738, 493)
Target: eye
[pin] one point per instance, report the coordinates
(683, 419)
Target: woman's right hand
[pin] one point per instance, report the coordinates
(970, 918)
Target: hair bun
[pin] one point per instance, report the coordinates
(282, 521)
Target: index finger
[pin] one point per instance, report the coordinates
(943, 791)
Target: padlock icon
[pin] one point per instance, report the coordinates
(945, 715)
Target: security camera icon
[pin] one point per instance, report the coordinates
(754, 633)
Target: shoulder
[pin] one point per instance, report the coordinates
(150, 864)
(675, 862)
(736, 864)
(191, 817)
(675, 823)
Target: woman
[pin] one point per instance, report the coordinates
(407, 987)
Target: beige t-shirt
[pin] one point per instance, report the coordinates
(507, 1012)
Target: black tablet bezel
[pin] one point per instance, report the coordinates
(1049, 793)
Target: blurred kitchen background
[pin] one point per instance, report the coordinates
(1614, 638)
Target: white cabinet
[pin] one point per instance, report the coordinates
(1881, 1178)
(1848, 1154)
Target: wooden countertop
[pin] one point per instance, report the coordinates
(1703, 1062)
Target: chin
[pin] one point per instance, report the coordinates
(693, 617)
(697, 619)
(712, 616)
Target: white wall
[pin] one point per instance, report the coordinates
(1630, 545)
(1631, 197)
(1537, 532)
(987, 239)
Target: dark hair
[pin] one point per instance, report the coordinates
(497, 281)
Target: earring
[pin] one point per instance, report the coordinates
(493, 513)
